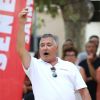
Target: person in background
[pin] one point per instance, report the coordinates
(71, 56)
(67, 45)
(83, 55)
(51, 77)
(95, 39)
(90, 67)
(98, 82)
(27, 90)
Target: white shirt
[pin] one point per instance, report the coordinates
(47, 87)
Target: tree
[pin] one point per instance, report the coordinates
(76, 14)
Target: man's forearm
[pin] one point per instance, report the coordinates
(21, 37)
(23, 53)
(85, 94)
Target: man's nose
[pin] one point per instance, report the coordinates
(45, 47)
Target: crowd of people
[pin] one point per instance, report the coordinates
(75, 76)
(88, 63)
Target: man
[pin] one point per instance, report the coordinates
(51, 77)
(90, 67)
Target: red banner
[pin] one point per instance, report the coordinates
(11, 71)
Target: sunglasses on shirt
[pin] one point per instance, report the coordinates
(54, 74)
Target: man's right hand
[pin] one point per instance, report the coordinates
(23, 53)
(23, 15)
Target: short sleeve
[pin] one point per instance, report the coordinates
(32, 67)
(79, 83)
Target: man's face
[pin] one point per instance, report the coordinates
(48, 49)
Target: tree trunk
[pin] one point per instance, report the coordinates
(76, 15)
(76, 32)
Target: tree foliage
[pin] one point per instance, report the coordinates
(76, 13)
(73, 8)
